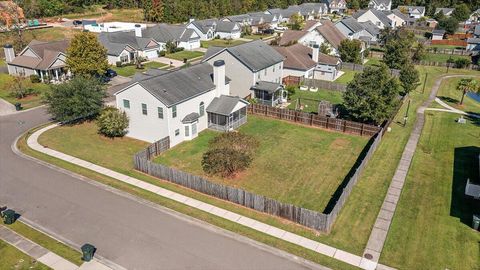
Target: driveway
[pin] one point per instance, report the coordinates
(118, 82)
(127, 231)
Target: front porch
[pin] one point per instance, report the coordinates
(55, 75)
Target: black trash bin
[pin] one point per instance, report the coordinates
(185, 60)
(88, 251)
(18, 106)
(8, 216)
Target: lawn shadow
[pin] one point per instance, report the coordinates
(465, 166)
(449, 99)
(338, 192)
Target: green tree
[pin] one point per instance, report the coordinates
(86, 56)
(112, 122)
(409, 78)
(153, 10)
(461, 12)
(372, 95)
(467, 85)
(350, 51)
(397, 46)
(325, 49)
(79, 98)
(296, 21)
(450, 25)
(419, 52)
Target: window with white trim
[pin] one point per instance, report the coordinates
(174, 111)
(160, 112)
(177, 132)
(126, 104)
(144, 109)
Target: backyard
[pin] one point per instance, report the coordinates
(443, 58)
(27, 102)
(301, 162)
(221, 43)
(12, 258)
(185, 54)
(452, 96)
(309, 100)
(346, 77)
(130, 70)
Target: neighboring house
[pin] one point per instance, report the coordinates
(413, 11)
(473, 44)
(446, 11)
(377, 17)
(314, 9)
(249, 63)
(380, 4)
(336, 6)
(474, 17)
(432, 23)
(242, 19)
(290, 37)
(283, 14)
(330, 35)
(180, 104)
(353, 29)
(125, 47)
(373, 30)
(438, 34)
(310, 25)
(45, 59)
(110, 26)
(228, 30)
(182, 36)
(212, 28)
(305, 62)
(476, 31)
(397, 18)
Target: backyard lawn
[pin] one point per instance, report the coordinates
(346, 77)
(12, 258)
(221, 43)
(130, 70)
(310, 100)
(431, 227)
(443, 58)
(256, 37)
(305, 165)
(27, 102)
(373, 61)
(449, 93)
(185, 54)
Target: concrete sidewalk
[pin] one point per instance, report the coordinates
(44, 255)
(6, 108)
(231, 216)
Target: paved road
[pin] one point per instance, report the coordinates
(127, 232)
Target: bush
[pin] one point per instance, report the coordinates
(461, 63)
(229, 153)
(35, 78)
(161, 53)
(291, 89)
(112, 122)
(118, 64)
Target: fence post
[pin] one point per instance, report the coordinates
(361, 130)
(311, 119)
(327, 127)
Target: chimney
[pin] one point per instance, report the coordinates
(219, 78)
(138, 30)
(315, 51)
(9, 53)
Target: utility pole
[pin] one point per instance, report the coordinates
(424, 83)
(406, 114)
(448, 62)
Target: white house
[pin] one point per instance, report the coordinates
(212, 28)
(438, 34)
(446, 11)
(353, 29)
(377, 17)
(45, 59)
(336, 6)
(180, 104)
(415, 12)
(249, 64)
(380, 4)
(205, 29)
(112, 27)
(182, 36)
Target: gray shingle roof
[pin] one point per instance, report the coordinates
(115, 41)
(191, 117)
(178, 86)
(476, 32)
(352, 24)
(226, 27)
(444, 10)
(270, 87)
(256, 55)
(438, 32)
(168, 32)
(47, 51)
(371, 28)
(224, 105)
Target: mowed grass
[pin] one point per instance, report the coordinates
(346, 77)
(185, 54)
(449, 93)
(126, 15)
(443, 58)
(305, 165)
(309, 100)
(130, 70)
(27, 102)
(431, 227)
(47, 242)
(12, 258)
(45, 34)
(221, 43)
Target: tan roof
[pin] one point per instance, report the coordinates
(47, 51)
(309, 24)
(297, 57)
(26, 61)
(290, 36)
(331, 33)
(327, 59)
(40, 46)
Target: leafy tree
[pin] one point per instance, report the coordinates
(325, 49)
(398, 44)
(353, 4)
(461, 12)
(296, 21)
(236, 141)
(419, 52)
(18, 87)
(467, 85)
(350, 51)
(112, 122)
(461, 62)
(79, 98)
(86, 56)
(450, 25)
(153, 10)
(372, 95)
(171, 47)
(409, 78)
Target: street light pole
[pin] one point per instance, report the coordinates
(406, 114)
(424, 83)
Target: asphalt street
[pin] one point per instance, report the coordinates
(126, 231)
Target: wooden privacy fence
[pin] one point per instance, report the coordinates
(451, 42)
(448, 51)
(310, 119)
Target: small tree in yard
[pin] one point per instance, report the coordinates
(18, 88)
(467, 85)
(350, 51)
(86, 56)
(409, 78)
(112, 122)
(372, 95)
(325, 49)
(78, 98)
(229, 153)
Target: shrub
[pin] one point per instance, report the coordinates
(461, 63)
(118, 64)
(35, 78)
(229, 153)
(161, 53)
(112, 122)
(291, 90)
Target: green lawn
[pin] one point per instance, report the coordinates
(185, 54)
(300, 162)
(256, 37)
(310, 100)
(221, 43)
(47, 242)
(431, 227)
(130, 70)
(373, 61)
(346, 77)
(443, 58)
(12, 258)
(27, 102)
(447, 47)
(449, 93)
